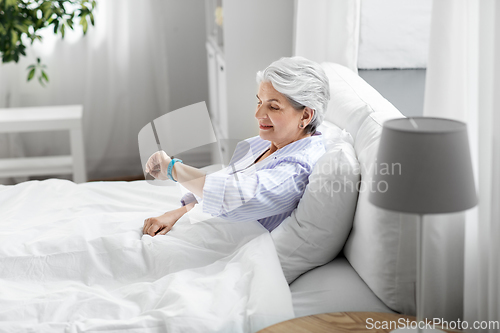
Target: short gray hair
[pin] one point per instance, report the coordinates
(303, 82)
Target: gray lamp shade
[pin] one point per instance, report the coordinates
(424, 167)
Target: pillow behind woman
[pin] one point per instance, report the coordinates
(318, 228)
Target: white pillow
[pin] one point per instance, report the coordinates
(317, 229)
(382, 244)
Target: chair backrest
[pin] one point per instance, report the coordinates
(382, 244)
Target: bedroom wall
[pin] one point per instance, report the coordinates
(187, 63)
(394, 33)
(393, 49)
(404, 88)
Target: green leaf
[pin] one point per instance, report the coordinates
(38, 60)
(91, 18)
(22, 28)
(85, 25)
(6, 57)
(41, 82)
(31, 74)
(62, 30)
(14, 37)
(30, 67)
(44, 75)
(47, 14)
(45, 5)
(10, 3)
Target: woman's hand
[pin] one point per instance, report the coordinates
(191, 178)
(157, 165)
(162, 224)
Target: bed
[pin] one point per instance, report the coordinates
(73, 257)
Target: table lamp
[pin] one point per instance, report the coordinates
(434, 174)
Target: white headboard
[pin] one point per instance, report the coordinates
(382, 244)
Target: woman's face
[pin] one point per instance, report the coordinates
(278, 121)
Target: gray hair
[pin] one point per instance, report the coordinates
(303, 82)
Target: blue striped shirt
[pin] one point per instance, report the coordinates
(267, 191)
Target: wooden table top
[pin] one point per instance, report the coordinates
(341, 322)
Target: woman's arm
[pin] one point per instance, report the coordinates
(253, 196)
(162, 224)
(191, 178)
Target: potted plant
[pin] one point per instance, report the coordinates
(22, 20)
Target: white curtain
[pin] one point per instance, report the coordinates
(118, 72)
(463, 80)
(328, 30)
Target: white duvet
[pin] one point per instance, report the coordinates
(73, 259)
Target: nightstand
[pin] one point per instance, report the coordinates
(339, 322)
(46, 118)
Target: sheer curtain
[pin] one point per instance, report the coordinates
(118, 72)
(463, 80)
(328, 30)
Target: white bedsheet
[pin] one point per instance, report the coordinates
(73, 259)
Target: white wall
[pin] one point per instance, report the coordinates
(187, 63)
(256, 33)
(394, 33)
(403, 88)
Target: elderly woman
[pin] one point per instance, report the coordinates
(272, 168)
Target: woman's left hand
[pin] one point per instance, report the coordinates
(162, 224)
(157, 165)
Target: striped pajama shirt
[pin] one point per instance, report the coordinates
(267, 191)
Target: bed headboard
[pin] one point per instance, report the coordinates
(382, 244)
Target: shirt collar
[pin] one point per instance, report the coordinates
(299, 144)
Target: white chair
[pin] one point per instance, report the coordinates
(47, 118)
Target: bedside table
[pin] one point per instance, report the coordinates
(338, 322)
(39, 119)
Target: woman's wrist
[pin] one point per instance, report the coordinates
(182, 210)
(191, 178)
(165, 164)
(174, 172)
(190, 206)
